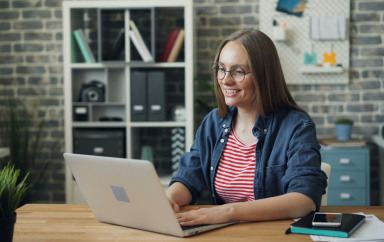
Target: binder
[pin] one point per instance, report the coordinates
(138, 96)
(156, 96)
(139, 43)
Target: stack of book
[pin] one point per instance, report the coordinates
(170, 53)
(349, 224)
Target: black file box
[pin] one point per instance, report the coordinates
(97, 141)
(138, 96)
(156, 96)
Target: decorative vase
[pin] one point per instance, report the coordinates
(343, 132)
(6, 228)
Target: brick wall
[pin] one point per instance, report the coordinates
(361, 100)
(31, 67)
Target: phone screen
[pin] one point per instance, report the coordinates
(327, 219)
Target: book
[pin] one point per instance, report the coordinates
(139, 43)
(117, 50)
(171, 38)
(332, 142)
(349, 224)
(176, 46)
(372, 230)
(83, 45)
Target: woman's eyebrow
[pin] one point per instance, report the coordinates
(234, 66)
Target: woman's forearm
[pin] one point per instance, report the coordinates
(290, 205)
(179, 194)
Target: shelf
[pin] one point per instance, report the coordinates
(98, 104)
(119, 64)
(98, 124)
(112, 64)
(321, 69)
(117, 67)
(158, 64)
(133, 124)
(157, 124)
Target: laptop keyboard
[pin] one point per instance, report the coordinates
(192, 226)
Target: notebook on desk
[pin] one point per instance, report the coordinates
(349, 224)
(127, 192)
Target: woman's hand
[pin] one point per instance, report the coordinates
(178, 195)
(211, 215)
(174, 205)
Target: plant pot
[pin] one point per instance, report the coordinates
(6, 228)
(343, 132)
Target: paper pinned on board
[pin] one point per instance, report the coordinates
(328, 27)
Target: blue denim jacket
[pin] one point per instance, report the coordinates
(287, 156)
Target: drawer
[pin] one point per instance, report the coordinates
(348, 179)
(347, 197)
(346, 160)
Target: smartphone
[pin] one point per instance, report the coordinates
(321, 219)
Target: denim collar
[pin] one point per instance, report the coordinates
(259, 130)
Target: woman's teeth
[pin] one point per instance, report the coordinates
(230, 91)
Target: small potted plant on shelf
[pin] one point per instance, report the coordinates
(12, 190)
(344, 129)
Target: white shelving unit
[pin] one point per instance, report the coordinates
(321, 69)
(154, 18)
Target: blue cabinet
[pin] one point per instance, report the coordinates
(349, 182)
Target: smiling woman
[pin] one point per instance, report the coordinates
(237, 87)
(257, 154)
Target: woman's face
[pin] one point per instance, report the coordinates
(237, 91)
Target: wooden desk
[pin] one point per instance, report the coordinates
(65, 222)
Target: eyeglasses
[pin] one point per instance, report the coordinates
(236, 73)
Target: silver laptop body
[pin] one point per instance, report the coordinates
(127, 192)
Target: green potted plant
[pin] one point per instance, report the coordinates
(22, 133)
(12, 191)
(344, 129)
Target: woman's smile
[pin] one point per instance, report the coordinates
(230, 92)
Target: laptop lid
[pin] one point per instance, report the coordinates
(127, 192)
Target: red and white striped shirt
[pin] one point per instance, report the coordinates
(235, 175)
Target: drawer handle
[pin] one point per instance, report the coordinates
(98, 150)
(345, 178)
(344, 161)
(345, 196)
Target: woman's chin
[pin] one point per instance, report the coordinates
(230, 102)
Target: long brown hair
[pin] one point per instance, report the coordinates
(269, 83)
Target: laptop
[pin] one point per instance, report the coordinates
(128, 192)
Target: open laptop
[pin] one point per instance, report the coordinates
(127, 192)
